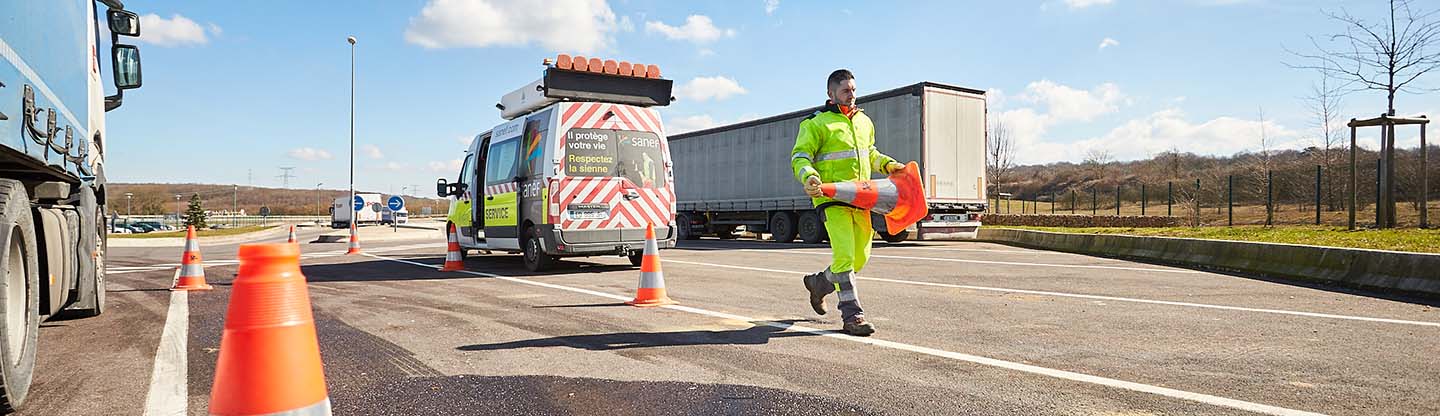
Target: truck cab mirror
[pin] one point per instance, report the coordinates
(442, 189)
(123, 22)
(126, 64)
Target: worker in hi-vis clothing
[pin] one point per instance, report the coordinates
(837, 144)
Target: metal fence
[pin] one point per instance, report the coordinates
(1291, 196)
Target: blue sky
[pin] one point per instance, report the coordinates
(235, 90)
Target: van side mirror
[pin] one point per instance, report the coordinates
(123, 22)
(126, 64)
(442, 189)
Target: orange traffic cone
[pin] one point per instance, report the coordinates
(901, 197)
(652, 281)
(354, 240)
(269, 353)
(192, 271)
(292, 236)
(453, 259)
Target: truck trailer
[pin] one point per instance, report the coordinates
(740, 176)
(52, 169)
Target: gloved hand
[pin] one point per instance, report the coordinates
(893, 167)
(812, 187)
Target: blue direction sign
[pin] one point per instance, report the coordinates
(396, 203)
(359, 203)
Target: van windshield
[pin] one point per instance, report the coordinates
(632, 155)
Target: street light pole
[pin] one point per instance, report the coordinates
(177, 207)
(351, 39)
(322, 198)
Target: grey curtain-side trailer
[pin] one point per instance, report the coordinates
(739, 175)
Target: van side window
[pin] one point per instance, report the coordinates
(500, 164)
(468, 170)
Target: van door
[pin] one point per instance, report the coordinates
(500, 207)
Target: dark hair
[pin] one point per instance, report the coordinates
(837, 77)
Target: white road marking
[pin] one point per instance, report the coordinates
(1084, 296)
(1050, 372)
(1008, 263)
(168, 391)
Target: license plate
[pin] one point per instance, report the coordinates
(589, 215)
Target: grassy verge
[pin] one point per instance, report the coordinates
(198, 233)
(1410, 239)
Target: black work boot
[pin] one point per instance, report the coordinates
(858, 327)
(819, 288)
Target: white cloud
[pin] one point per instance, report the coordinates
(706, 52)
(708, 88)
(689, 123)
(697, 28)
(626, 25)
(465, 140)
(1168, 129)
(396, 167)
(372, 151)
(215, 29)
(1108, 42)
(1064, 103)
(771, 5)
(451, 166)
(582, 26)
(1080, 4)
(309, 153)
(176, 31)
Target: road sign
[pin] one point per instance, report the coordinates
(396, 203)
(264, 211)
(359, 203)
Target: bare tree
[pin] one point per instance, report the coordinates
(1324, 102)
(1000, 155)
(1097, 161)
(1388, 55)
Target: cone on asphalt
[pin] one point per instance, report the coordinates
(354, 240)
(192, 269)
(292, 238)
(454, 261)
(269, 354)
(652, 282)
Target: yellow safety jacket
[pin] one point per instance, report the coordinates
(836, 148)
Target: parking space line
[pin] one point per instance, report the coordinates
(168, 393)
(1084, 296)
(1032, 369)
(1007, 263)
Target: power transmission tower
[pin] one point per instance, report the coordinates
(285, 176)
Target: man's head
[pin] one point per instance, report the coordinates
(841, 87)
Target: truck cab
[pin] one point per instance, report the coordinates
(580, 169)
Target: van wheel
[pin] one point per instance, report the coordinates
(536, 260)
(782, 227)
(19, 302)
(812, 230)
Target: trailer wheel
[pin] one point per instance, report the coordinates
(725, 232)
(685, 232)
(812, 229)
(536, 260)
(895, 238)
(782, 227)
(19, 315)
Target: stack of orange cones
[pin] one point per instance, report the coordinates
(454, 261)
(354, 240)
(192, 271)
(652, 282)
(292, 238)
(269, 354)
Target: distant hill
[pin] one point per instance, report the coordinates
(159, 198)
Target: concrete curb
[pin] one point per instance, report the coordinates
(1379, 270)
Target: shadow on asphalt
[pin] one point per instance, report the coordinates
(502, 264)
(755, 335)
